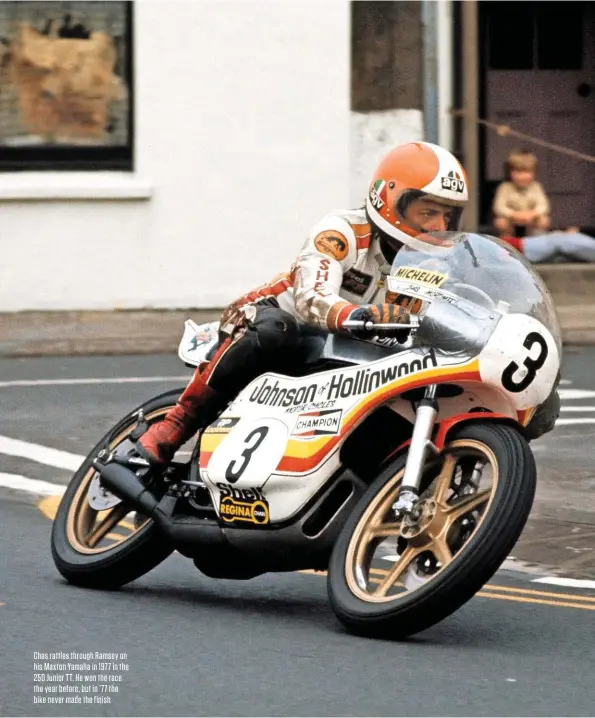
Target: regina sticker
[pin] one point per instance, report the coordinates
(254, 511)
(422, 276)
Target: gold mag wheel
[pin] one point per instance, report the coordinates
(461, 485)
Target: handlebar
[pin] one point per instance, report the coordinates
(386, 329)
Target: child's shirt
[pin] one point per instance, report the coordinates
(509, 198)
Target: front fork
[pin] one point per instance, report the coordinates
(425, 418)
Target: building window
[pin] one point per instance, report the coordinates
(66, 94)
(534, 35)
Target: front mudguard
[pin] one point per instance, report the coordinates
(445, 428)
(545, 417)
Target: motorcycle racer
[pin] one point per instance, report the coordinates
(339, 275)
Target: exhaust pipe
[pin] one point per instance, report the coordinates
(184, 529)
(124, 483)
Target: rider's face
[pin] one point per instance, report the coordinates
(428, 215)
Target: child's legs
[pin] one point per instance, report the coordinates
(503, 225)
(540, 224)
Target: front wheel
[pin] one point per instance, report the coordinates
(476, 501)
(98, 540)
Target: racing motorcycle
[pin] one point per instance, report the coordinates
(400, 466)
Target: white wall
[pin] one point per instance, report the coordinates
(243, 141)
(372, 135)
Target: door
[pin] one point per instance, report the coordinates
(540, 69)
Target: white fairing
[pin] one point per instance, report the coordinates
(197, 341)
(283, 422)
(521, 359)
(488, 329)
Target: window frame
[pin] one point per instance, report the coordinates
(81, 158)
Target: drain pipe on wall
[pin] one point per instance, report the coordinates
(430, 68)
(444, 63)
(470, 71)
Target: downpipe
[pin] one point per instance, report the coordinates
(425, 418)
(125, 484)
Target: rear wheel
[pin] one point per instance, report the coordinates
(98, 540)
(477, 497)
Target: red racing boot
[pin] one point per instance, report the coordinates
(197, 407)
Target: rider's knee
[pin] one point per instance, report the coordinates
(275, 330)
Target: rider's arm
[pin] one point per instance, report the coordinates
(329, 251)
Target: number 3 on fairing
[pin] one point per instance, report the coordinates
(233, 473)
(532, 364)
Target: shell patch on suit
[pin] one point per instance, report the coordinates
(332, 243)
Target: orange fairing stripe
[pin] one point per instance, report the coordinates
(319, 449)
(205, 457)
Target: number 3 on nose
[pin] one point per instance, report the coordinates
(532, 365)
(233, 474)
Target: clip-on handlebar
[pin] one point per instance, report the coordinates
(387, 330)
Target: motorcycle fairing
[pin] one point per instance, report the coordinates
(285, 432)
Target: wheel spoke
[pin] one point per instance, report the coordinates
(442, 551)
(393, 529)
(444, 478)
(108, 523)
(468, 504)
(397, 570)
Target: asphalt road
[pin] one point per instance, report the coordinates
(271, 646)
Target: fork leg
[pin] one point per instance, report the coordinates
(425, 418)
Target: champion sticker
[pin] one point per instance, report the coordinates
(318, 423)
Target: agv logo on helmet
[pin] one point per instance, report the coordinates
(378, 194)
(453, 182)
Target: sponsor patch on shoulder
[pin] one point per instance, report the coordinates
(332, 243)
(318, 423)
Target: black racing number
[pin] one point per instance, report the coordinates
(232, 474)
(532, 365)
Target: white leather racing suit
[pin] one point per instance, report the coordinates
(340, 267)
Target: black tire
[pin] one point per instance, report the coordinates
(127, 561)
(469, 570)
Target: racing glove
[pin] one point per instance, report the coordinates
(381, 314)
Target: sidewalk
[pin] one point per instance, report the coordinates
(159, 331)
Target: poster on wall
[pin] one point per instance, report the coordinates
(64, 74)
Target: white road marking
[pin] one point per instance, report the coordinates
(566, 422)
(571, 582)
(577, 409)
(32, 486)
(576, 393)
(42, 454)
(565, 381)
(94, 380)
